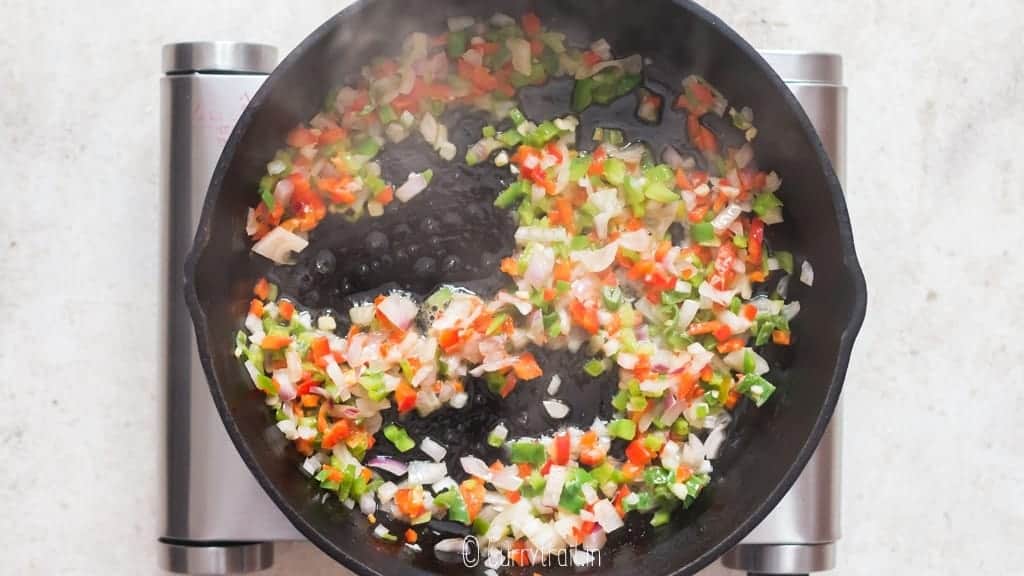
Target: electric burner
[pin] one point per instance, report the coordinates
(216, 518)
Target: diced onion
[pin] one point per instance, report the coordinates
(556, 409)
(362, 315)
(433, 449)
(476, 467)
(556, 382)
(413, 185)
(279, 244)
(424, 472)
(806, 273)
(606, 516)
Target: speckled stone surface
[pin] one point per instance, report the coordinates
(933, 470)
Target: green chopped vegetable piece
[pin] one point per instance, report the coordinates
(659, 173)
(543, 133)
(496, 323)
(488, 131)
(681, 427)
(582, 94)
(407, 370)
(516, 115)
(266, 384)
(525, 452)
(272, 294)
(495, 381)
(427, 175)
(764, 202)
(510, 138)
(612, 297)
(748, 361)
(703, 233)
(658, 476)
(266, 188)
(578, 168)
(373, 382)
(756, 388)
(572, 498)
(552, 324)
(785, 260)
(368, 147)
(440, 297)
(494, 440)
(457, 43)
(615, 171)
(386, 114)
(661, 517)
(346, 482)
(739, 241)
(633, 191)
(622, 428)
(481, 526)
(533, 485)
(399, 437)
(452, 500)
(637, 403)
(594, 367)
(654, 442)
(660, 193)
(604, 473)
(620, 400)
(510, 195)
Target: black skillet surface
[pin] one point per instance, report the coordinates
(452, 233)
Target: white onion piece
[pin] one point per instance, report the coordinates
(714, 441)
(283, 191)
(538, 271)
(386, 492)
(450, 545)
(556, 382)
(526, 234)
(399, 310)
(507, 479)
(476, 467)
(595, 540)
(582, 557)
(413, 185)
(294, 364)
(429, 128)
(457, 23)
(791, 309)
(361, 315)
(500, 20)
(431, 448)
(687, 311)
(806, 273)
(424, 472)
(553, 488)
(367, 503)
(596, 260)
(606, 516)
(636, 240)
(723, 297)
(726, 217)
(556, 409)
(632, 65)
(279, 244)
(521, 57)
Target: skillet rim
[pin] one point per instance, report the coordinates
(849, 264)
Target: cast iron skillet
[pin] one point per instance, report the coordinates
(452, 233)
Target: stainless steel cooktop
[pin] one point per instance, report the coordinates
(217, 520)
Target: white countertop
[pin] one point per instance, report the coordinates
(933, 468)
